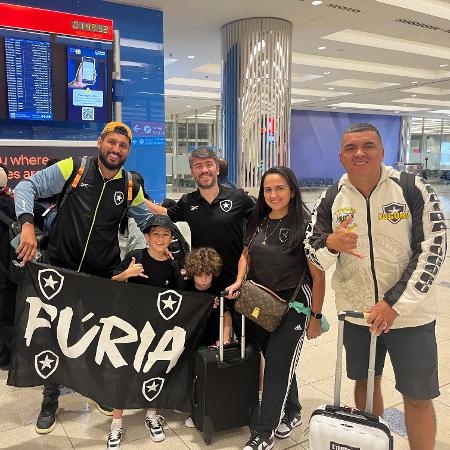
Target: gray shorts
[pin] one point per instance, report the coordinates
(413, 353)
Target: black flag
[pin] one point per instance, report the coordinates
(122, 344)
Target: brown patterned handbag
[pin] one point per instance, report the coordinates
(261, 305)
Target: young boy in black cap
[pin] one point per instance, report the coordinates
(150, 266)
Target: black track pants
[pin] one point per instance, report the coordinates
(281, 350)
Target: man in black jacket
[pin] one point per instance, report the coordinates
(85, 232)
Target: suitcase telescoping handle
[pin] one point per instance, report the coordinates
(223, 294)
(371, 373)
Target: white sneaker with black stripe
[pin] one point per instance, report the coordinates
(257, 442)
(288, 423)
(153, 424)
(114, 438)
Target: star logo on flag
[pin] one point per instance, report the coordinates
(226, 205)
(46, 363)
(169, 303)
(50, 282)
(118, 197)
(152, 388)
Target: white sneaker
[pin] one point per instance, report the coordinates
(189, 422)
(153, 424)
(114, 438)
(288, 423)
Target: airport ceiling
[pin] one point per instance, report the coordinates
(390, 56)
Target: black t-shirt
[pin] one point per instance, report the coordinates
(160, 273)
(211, 334)
(269, 265)
(218, 225)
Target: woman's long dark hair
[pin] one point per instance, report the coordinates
(297, 213)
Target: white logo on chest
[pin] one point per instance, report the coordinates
(118, 197)
(226, 205)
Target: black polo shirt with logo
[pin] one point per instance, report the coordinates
(219, 225)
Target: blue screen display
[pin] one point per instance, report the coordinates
(87, 83)
(29, 81)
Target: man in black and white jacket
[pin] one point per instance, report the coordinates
(387, 235)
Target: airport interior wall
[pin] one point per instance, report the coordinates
(315, 139)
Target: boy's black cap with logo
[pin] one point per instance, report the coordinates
(158, 220)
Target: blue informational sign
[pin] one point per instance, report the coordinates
(29, 80)
(87, 73)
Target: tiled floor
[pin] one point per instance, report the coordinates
(79, 426)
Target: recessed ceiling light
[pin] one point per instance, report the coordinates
(396, 112)
(188, 106)
(331, 88)
(191, 56)
(443, 65)
(316, 2)
(334, 107)
(323, 98)
(326, 73)
(321, 48)
(414, 82)
(413, 95)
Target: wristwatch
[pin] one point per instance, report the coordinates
(317, 316)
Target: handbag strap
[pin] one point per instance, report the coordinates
(302, 276)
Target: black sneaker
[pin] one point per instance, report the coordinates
(46, 420)
(288, 423)
(153, 424)
(257, 442)
(114, 439)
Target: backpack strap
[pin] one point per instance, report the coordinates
(128, 181)
(407, 183)
(129, 188)
(80, 175)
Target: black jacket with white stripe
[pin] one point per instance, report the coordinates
(402, 235)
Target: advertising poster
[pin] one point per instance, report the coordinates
(87, 73)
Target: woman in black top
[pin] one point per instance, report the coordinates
(275, 257)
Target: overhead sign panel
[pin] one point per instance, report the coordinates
(36, 19)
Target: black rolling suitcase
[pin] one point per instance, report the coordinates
(333, 427)
(226, 384)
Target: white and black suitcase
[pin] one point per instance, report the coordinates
(333, 427)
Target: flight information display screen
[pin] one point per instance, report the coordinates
(28, 74)
(87, 83)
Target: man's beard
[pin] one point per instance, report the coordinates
(109, 165)
(204, 185)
